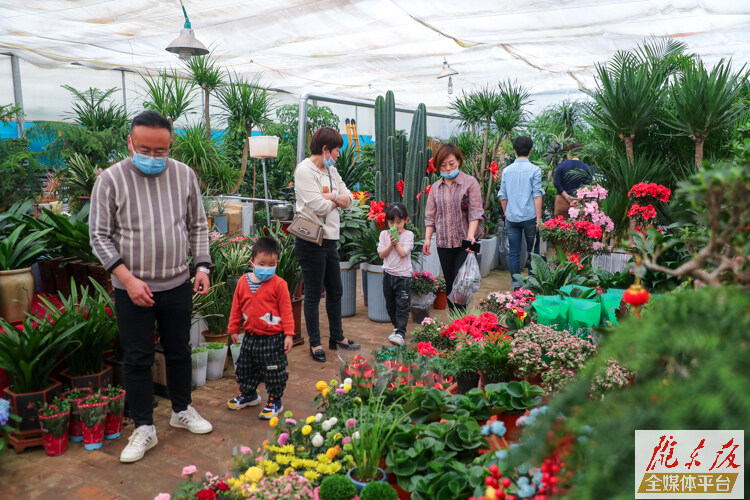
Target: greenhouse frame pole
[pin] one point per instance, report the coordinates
(18, 95)
(302, 125)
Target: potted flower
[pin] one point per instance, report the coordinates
(18, 251)
(93, 413)
(286, 486)
(115, 410)
(28, 353)
(215, 309)
(441, 298)
(74, 397)
(200, 362)
(217, 356)
(464, 364)
(336, 487)
(53, 420)
(422, 295)
(90, 343)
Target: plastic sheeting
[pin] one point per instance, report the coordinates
(362, 48)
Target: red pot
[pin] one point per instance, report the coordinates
(55, 446)
(93, 437)
(75, 429)
(402, 493)
(441, 302)
(112, 426)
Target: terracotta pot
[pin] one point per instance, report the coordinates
(402, 493)
(26, 405)
(16, 293)
(509, 419)
(441, 303)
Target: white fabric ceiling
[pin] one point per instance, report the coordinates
(361, 48)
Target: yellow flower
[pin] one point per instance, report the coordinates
(254, 474)
(323, 458)
(270, 467)
(306, 430)
(311, 476)
(288, 471)
(266, 446)
(321, 385)
(310, 419)
(287, 449)
(347, 388)
(358, 400)
(283, 459)
(332, 452)
(329, 469)
(333, 382)
(273, 422)
(325, 392)
(337, 436)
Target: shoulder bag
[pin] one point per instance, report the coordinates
(307, 229)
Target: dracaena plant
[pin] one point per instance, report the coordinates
(21, 248)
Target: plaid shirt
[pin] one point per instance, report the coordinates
(445, 213)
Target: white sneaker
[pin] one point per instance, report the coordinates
(142, 440)
(190, 420)
(396, 339)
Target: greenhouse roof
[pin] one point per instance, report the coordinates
(361, 48)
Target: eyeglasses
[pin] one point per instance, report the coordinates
(160, 155)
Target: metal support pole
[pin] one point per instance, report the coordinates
(265, 187)
(124, 98)
(302, 127)
(18, 95)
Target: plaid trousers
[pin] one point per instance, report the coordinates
(262, 359)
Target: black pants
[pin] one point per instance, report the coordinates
(262, 359)
(320, 267)
(396, 290)
(451, 260)
(172, 310)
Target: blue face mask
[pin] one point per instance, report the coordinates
(264, 273)
(148, 164)
(451, 175)
(328, 162)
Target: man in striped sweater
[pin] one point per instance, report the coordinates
(146, 211)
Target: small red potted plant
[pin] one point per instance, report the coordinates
(115, 409)
(74, 397)
(93, 413)
(53, 419)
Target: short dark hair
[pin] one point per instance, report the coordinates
(523, 145)
(574, 146)
(151, 118)
(266, 245)
(325, 136)
(396, 210)
(444, 151)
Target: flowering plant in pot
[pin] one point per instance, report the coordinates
(115, 409)
(53, 419)
(74, 397)
(441, 298)
(430, 330)
(93, 413)
(210, 486)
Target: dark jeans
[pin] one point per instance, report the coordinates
(451, 260)
(516, 231)
(397, 291)
(320, 267)
(172, 310)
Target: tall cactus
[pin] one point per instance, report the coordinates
(416, 161)
(380, 133)
(379, 187)
(422, 205)
(390, 114)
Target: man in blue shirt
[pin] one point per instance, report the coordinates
(569, 176)
(521, 197)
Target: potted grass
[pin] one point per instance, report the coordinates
(53, 420)
(216, 359)
(200, 361)
(235, 260)
(74, 397)
(93, 414)
(115, 410)
(215, 309)
(28, 353)
(18, 251)
(220, 218)
(90, 343)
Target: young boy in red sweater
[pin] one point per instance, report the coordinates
(262, 306)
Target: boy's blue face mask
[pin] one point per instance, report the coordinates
(263, 273)
(450, 175)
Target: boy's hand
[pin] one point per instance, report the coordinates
(235, 338)
(288, 343)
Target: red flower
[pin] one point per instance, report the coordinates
(426, 349)
(222, 486)
(430, 167)
(206, 494)
(400, 187)
(493, 168)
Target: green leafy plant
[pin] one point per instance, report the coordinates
(170, 96)
(207, 157)
(516, 396)
(366, 248)
(205, 74)
(93, 409)
(68, 236)
(288, 267)
(351, 169)
(29, 353)
(93, 109)
(337, 487)
(198, 350)
(116, 404)
(236, 259)
(353, 226)
(20, 172)
(546, 280)
(214, 346)
(215, 308)
(378, 491)
(55, 417)
(19, 250)
(94, 312)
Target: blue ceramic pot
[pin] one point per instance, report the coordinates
(359, 485)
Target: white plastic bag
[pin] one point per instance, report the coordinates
(466, 282)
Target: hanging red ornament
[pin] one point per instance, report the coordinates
(636, 295)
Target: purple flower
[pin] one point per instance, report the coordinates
(339, 390)
(291, 421)
(283, 437)
(351, 423)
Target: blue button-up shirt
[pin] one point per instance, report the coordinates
(520, 184)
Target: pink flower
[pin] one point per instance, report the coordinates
(244, 450)
(573, 212)
(291, 421)
(339, 390)
(283, 437)
(190, 469)
(346, 440)
(163, 496)
(351, 423)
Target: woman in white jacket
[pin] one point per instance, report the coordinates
(320, 192)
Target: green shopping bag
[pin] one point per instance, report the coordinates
(551, 310)
(618, 291)
(570, 290)
(610, 304)
(583, 313)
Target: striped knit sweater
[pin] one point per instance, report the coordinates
(148, 222)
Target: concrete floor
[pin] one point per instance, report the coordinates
(99, 475)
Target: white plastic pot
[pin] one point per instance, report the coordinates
(200, 363)
(216, 361)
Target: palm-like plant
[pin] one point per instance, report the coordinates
(466, 110)
(93, 110)
(703, 101)
(351, 169)
(207, 157)
(205, 74)
(245, 104)
(172, 97)
(507, 119)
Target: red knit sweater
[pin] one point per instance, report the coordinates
(265, 312)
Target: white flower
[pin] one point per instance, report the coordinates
(318, 417)
(355, 435)
(347, 381)
(327, 425)
(317, 440)
(333, 420)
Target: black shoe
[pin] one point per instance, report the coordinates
(318, 355)
(333, 344)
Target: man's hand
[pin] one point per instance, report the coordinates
(202, 283)
(235, 338)
(426, 247)
(288, 343)
(139, 292)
